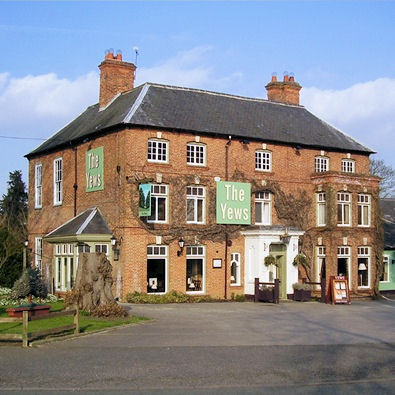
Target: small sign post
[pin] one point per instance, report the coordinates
(338, 291)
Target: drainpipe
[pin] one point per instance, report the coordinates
(227, 145)
(75, 186)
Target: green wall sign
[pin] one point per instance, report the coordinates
(233, 203)
(144, 200)
(94, 170)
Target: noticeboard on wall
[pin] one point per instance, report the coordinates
(94, 170)
(338, 290)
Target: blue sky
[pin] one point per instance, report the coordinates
(340, 51)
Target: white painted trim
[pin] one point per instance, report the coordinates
(137, 103)
(86, 222)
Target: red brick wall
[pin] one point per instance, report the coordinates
(291, 169)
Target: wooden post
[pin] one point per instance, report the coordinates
(25, 320)
(256, 291)
(276, 295)
(323, 290)
(77, 320)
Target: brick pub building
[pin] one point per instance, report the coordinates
(305, 187)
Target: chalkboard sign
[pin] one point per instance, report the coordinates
(338, 290)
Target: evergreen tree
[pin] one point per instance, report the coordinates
(13, 231)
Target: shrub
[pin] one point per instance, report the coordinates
(170, 297)
(109, 310)
(6, 298)
(270, 260)
(72, 298)
(29, 284)
(303, 287)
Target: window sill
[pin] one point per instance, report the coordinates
(38, 207)
(235, 285)
(196, 164)
(57, 204)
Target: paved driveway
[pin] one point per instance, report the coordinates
(215, 348)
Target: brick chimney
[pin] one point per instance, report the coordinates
(286, 91)
(116, 76)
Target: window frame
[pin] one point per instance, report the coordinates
(158, 251)
(58, 181)
(321, 205)
(363, 252)
(345, 205)
(321, 164)
(38, 185)
(345, 252)
(195, 199)
(193, 154)
(38, 252)
(386, 262)
(196, 252)
(348, 166)
(320, 258)
(154, 150)
(237, 261)
(263, 201)
(157, 196)
(262, 163)
(101, 245)
(360, 206)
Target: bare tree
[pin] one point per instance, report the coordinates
(387, 175)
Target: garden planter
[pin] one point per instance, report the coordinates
(266, 295)
(302, 295)
(32, 310)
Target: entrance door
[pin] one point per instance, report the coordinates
(279, 252)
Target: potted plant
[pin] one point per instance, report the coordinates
(270, 260)
(302, 292)
(266, 293)
(28, 285)
(301, 259)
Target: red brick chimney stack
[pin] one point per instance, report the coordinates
(116, 76)
(286, 91)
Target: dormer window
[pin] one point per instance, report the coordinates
(321, 164)
(158, 151)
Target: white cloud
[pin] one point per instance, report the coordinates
(45, 97)
(365, 111)
(188, 69)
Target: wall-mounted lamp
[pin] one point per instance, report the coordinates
(26, 243)
(113, 241)
(285, 238)
(181, 243)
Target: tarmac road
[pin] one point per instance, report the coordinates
(237, 348)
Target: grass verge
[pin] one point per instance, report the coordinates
(87, 323)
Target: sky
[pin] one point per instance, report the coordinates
(341, 52)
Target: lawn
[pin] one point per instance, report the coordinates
(87, 323)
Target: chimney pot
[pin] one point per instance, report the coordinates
(116, 76)
(274, 77)
(286, 91)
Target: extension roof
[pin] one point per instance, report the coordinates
(88, 222)
(203, 112)
(388, 215)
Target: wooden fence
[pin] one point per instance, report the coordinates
(322, 285)
(25, 337)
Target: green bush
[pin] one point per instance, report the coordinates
(30, 284)
(6, 298)
(109, 310)
(170, 297)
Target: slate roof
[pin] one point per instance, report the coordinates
(88, 222)
(198, 111)
(388, 215)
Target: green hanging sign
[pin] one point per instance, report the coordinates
(95, 170)
(144, 200)
(233, 203)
